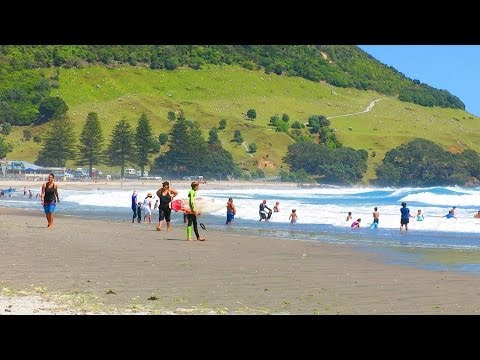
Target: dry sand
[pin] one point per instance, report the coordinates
(89, 267)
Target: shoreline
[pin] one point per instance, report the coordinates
(93, 266)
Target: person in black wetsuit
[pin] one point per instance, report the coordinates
(49, 199)
(165, 195)
(263, 213)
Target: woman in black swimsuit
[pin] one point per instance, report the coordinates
(165, 195)
(48, 197)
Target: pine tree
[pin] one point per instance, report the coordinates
(198, 149)
(91, 143)
(144, 141)
(175, 159)
(120, 149)
(59, 145)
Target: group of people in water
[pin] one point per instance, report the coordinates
(49, 197)
(404, 217)
(264, 215)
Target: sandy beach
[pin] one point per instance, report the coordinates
(100, 267)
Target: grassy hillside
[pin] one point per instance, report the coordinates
(217, 92)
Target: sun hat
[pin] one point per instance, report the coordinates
(149, 195)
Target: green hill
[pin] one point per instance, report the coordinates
(216, 92)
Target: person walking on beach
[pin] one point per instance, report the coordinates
(192, 216)
(134, 205)
(147, 209)
(376, 215)
(263, 213)
(405, 216)
(293, 216)
(49, 199)
(165, 195)
(231, 211)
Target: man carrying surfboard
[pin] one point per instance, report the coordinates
(192, 217)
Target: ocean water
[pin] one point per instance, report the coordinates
(321, 217)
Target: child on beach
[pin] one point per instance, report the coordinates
(356, 224)
(139, 212)
(376, 215)
(276, 207)
(293, 216)
(349, 216)
(419, 215)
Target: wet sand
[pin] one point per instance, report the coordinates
(90, 266)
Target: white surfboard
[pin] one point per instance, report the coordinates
(202, 205)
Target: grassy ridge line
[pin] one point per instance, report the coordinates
(217, 92)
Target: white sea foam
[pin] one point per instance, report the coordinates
(327, 206)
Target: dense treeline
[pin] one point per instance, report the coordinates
(190, 154)
(418, 163)
(22, 90)
(423, 163)
(22, 93)
(425, 95)
(342, 165)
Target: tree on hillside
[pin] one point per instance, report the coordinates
(145, 142)
(251, 114)
(120, 149)
(421, 162)
(197, 146)
(213, 136)
(51, 108)
(59, 144)
(171, 116)
(6, 128)
(91, 143)
(237, 136)
(175, 159)
(222, 124)
(337, 165)
(219, 162)
(4, 148)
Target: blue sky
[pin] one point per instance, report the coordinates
(455, 68)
